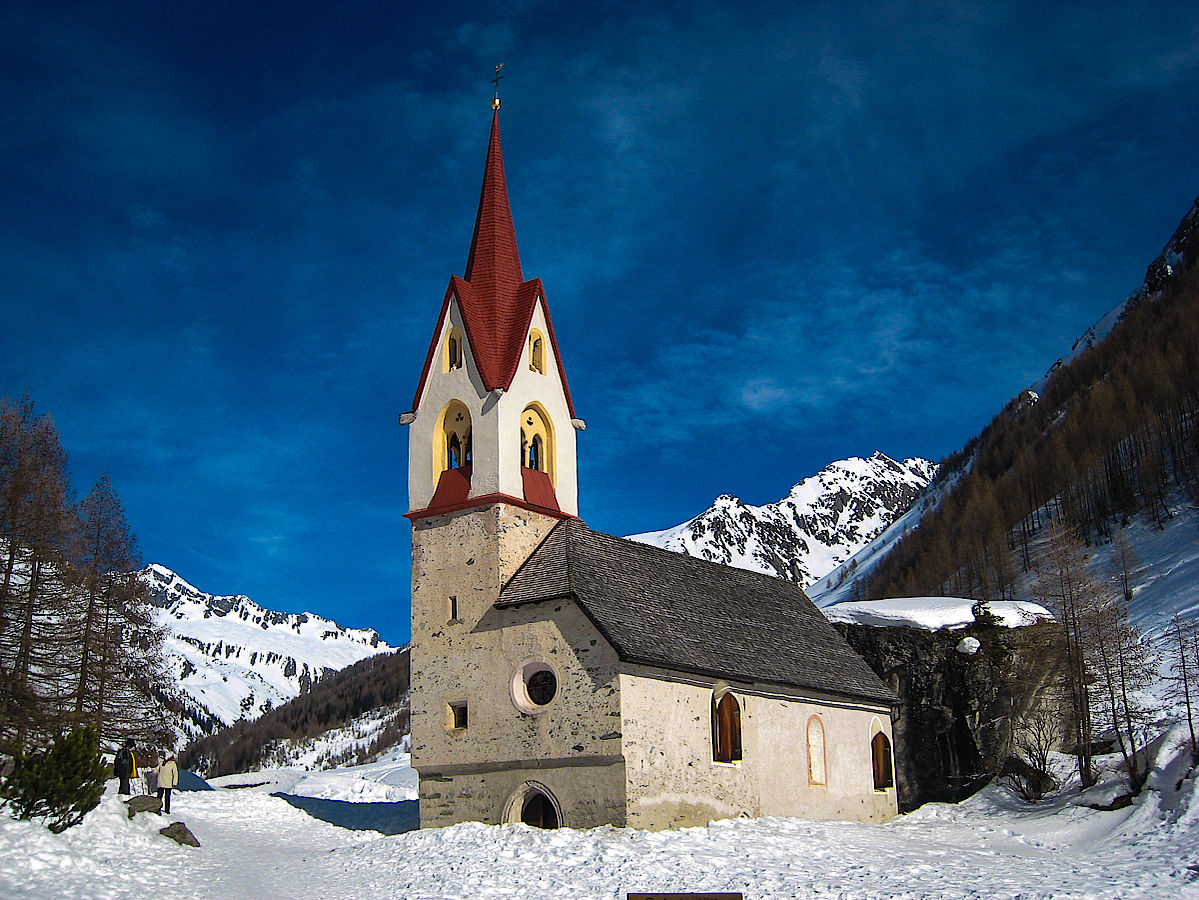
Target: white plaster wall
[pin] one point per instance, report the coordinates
(440, 388)
(527, 387)
(673, 781)
(495, 424)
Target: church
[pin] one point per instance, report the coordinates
(564, 677)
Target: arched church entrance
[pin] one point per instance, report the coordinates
(538, 811)
(534, 805)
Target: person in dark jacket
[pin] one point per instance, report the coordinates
(125, 766)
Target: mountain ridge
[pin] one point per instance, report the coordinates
(231, 659)
(822, 521)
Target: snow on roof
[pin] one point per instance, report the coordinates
(933, 613)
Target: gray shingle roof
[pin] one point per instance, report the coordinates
(660, 608)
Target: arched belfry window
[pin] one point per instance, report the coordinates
(452, 440)
(453, 349)
(880, 756)
(536, 440)
(536, 352)
(726, 727)
(817, 766)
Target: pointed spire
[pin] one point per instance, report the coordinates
(493, 264)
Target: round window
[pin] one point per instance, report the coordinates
(534, 686)
(542, 685)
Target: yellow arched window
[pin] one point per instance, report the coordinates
(452, 357)
(451, 440)
(880, 756)
(536, 352)
(817, 768)
(537, 440)
(726, 728)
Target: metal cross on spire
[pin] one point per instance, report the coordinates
(495, 101)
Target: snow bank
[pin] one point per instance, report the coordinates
(256, 845)
(391, 779)
(933, 613)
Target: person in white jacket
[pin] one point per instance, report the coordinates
(168, 776)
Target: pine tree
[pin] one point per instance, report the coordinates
(62, 783)
(120, 647)
(33, 526)
(77, 641)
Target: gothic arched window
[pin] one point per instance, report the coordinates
(536, 351)
(452, 441)
(536, 453)
(453, 349)
(817, 768)
(536, 440)
(880, 755)
(726, 728)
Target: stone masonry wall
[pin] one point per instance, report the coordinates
(572, 746)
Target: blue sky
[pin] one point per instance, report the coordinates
(771, 237)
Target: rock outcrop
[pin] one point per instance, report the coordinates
(959, 708)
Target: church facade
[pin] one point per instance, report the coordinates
(564, 677)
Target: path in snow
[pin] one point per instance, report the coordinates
(256, 845)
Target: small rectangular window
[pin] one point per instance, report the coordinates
(458, 714)
(453, 607)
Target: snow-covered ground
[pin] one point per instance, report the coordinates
(255, 845)
(390, 779)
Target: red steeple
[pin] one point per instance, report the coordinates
(493, 264)
(497, 304)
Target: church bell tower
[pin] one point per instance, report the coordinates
(492, 419)
(491, 469)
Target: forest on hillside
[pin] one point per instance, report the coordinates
(1115, 432)
(78, 645)
(373, 683)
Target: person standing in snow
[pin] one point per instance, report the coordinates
(167, 774)
(125, 766)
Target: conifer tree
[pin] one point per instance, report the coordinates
(62, 783)
(33, 526)
(120, 646)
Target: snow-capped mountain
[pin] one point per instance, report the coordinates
(820, 524)
(231, 659)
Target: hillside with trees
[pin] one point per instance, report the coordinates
(1112, 434)
(78, 646)
(376, 683)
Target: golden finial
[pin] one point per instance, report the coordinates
(495, 101)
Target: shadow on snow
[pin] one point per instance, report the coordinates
(395, 817)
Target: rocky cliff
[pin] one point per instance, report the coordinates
(961, 691)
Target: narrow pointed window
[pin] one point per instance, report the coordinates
(816, 760)
(453, 350)
(880, 755)
(536, 352)
(452, 449)
(726, 728)
(537, 441)
(535, 453)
